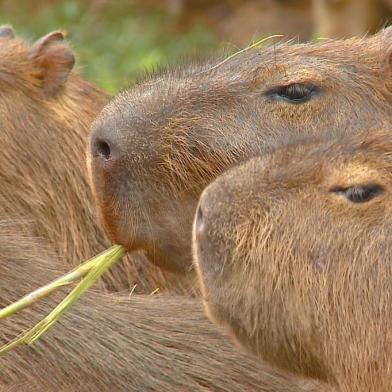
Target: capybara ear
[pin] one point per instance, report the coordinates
(386, 48)
(6, 31)
(54, 59)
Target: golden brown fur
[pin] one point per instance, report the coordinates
(46, 110)
(293, 250)
(156, 146)
(108, 343)
(142, 343)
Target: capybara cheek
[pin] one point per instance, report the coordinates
(319, 259)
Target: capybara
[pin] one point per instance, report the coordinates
(46, 110)
(45, 113)
(108, 343)
(156, 146)
(293, 250)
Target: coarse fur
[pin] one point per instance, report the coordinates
(112, 343)
(298, 271)
(146, 343)
(46, 111)
(156, 146)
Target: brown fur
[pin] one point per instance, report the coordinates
(45, 112)
(107, 343)
(169, 136)
(147, 343)
(301, 274)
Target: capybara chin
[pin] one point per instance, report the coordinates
(46, 110)
(110, 343)
(155, 147)
(293, 250)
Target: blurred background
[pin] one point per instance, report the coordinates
(117, 40)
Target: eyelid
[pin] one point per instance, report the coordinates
(275, 91)
(340, 189)
(359, 193)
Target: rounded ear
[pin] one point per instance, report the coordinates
(6, 31)
(385, 39)
(54, 59)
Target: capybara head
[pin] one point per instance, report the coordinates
(46, 110)
(293, 250)
(155, 147)
(41, 69)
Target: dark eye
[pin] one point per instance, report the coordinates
(293, 93)
(359, 193)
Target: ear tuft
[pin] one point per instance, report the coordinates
(6, 31)
(54, 59)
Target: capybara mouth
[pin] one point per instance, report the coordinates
(152, 238)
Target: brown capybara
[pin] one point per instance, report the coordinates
(108, 343)
(156, 146)
(293, 250)
(46, 110)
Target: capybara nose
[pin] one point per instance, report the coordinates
(199, 222)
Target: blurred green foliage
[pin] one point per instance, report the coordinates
(114, 41)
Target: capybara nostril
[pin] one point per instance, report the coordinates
(103, 149)
(199, 222)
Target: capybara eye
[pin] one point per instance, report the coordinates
(293, 93)
(359, 193)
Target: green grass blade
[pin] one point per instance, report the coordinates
(100, 265)
(77, 273)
